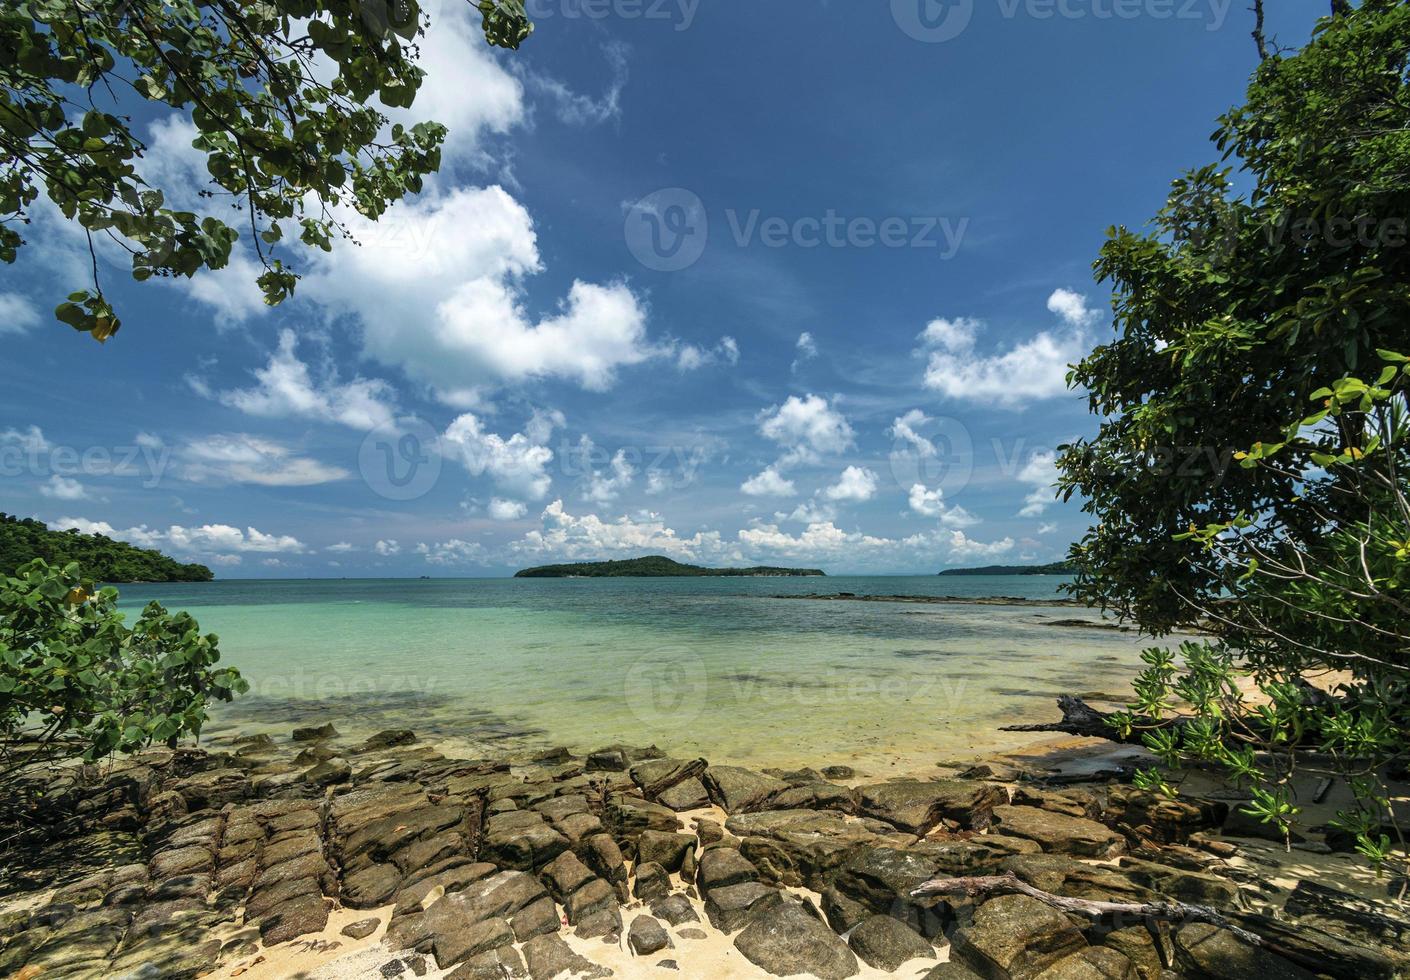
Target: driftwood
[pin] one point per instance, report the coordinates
(1302, 944)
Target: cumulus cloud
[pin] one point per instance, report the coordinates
(286, 388)
(931, 503)
(567, 537)
(242, 458)
(342, 547)
(452, 552)
(17, 313)
(1047, 527)
(963, 548)
(806, 348)
(506, 510)
(387, 547)
(1031, 370)
(604, 485)
(31, 441)
(855, 483)
(62, 488)
(689, 357)
(808, 428)
(221, 538)
(768, 483)
(1041, 473)
(819, 540)
(517, 465)
(903, 430)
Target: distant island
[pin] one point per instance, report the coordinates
(652, 566)
(101, 558)
(1053, 568)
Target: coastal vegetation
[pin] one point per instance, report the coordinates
(286, 98)
(76, 681)
(1252, 468)
(652, 566)
(1051, 568)
(100, 557)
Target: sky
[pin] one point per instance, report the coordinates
(740, 282)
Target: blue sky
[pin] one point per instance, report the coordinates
(734, 282)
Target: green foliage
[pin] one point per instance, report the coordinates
(106, 560)
(284, 95)
(1251, 472)
(76, 681)
(651, 566)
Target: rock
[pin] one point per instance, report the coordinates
(549, 956)
(1073, 804)
(535, 919)
(692, 934)
(330, 772)
(728, 908)
(652, 882)
(604, 924)
(916, 806)
(803, 847)
(722, 867)
(494, 964)
(1149, 815)
(675, 909)
(361, 929)
(449, 881)
(667, 850)
(886, 943)
(655, 776)
(298, 916)
(601, 854)
(592, 897)
(521, 840)
(564, 875)
(1210, 951)
(180, 860)
(738, 790)
(460, 940)
(814, 796)
(667, 965)
(709, 831)
(1136, 944)
(1058, 833)
(1014, 937)
(785, 938)
(314, 732)
(951, 971)
(1184, 886)
(842, 912)
(630, 816)
(1093, 963)
(839, 772)
(882, 879)
(616, 758)
(647, 936)
(688, 794)
(389, 739)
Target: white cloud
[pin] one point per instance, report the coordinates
(567, 537)
(17, 313)
(807, 427)
(1041, 473)
(604, 486)
(506, 510)
(287, 389)
(218, 538)
(690, 357)
(539, 428)
(931, 503)
(1047, 527)
(768, 483)
(818, 540)
(387, 548)
(809, 512)
(517, 465)
(62, 488)
(903, 430)
(241, 458)
(341, 548)
(1031, 370)
(31, 440)
(856, 483)
(452, 552)
(577, 109)
(807, 349)
(963, 548)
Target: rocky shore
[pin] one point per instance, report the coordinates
(315, 857)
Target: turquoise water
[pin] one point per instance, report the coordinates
(711, 666)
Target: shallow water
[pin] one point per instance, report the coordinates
(711, 666)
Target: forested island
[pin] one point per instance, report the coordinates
(1052, 568)
(653, 566)
(101, 558)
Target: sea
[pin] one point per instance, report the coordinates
(724, 668)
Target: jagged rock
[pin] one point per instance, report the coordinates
(652, 882)
(535, 920)
(916, 806)
(1210, 951)
(784, 937)
(548, 956)
(655, 776)
(882, 879)
(675, 909)
(578, 826)
(1160, 818)
(1058, 833)
(411, 897)
(592, 897)
(667, 850)
(951, 971)
(814, 796)
(494, 964)
(314, 732)
(886, 943)
(1184, 886)
(330, 772)
(722, 867)
(371, 887)
(298, 916)
(1073, 804)
(842, 912)
(688, 794)
(601, 854)
(315, 754)
(361, 929)
(1093, 963)
(616, 758)
(709, 831)
(1014, 937)
(604, 924)
(564, 875)
(179, 861)
(803, 847)
(839, 772)
(521, 840)
(389, 739)
(1064, 875)
(647, 936)
(628, 817)
(728, 908)
(738, 790)
(1136, 944)
(457, 941)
